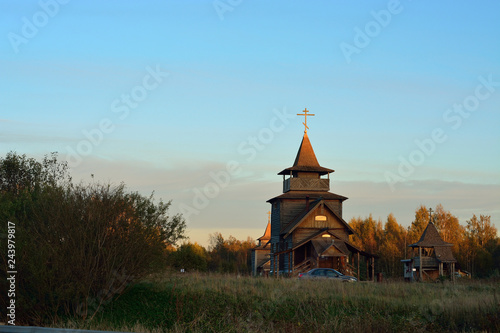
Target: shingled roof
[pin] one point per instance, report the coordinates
(305, 155)
(444, 254)
(267, 233)
(306, 160)
(322, 244)
(430, 238)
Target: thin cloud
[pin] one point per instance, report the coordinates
(242, 203)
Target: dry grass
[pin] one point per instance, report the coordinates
(219, 303)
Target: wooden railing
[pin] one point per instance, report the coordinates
(302, 267)
(306, 184)
(352, 271)
(426, 262)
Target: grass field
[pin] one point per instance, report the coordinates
(219, 303)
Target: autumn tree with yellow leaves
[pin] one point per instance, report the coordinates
(476, 245)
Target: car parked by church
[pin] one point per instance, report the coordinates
(327, 273)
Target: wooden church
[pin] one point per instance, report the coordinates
(307, 230)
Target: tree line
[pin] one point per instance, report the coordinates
(476, 245)
(222, 256)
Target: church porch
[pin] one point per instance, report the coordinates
(306, 257)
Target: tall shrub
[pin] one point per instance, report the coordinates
(78, 245)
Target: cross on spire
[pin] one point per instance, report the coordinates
(430, 214)
(305, 118)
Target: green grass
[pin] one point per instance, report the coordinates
(219, 303)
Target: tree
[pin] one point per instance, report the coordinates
(448, 226)
(480, 231)
(481, 243)
(418, 225)
(391, 250)
(450, 231)
(368, 233)
(189, 256)
(19, 173)
(77, 245)
(231, 255)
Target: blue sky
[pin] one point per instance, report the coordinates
(162, 95)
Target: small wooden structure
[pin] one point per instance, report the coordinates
(307, 228)
(433, 257)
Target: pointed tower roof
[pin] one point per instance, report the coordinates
(267, 233)
(264, 240)
(306, 160)
(305, 155)
(430, 238)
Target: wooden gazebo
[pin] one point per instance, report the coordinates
(434, 257)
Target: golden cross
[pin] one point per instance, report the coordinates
(269, 216)
(305, 116)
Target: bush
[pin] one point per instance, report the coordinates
(77, 245)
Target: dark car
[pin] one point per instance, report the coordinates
(327, 273)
